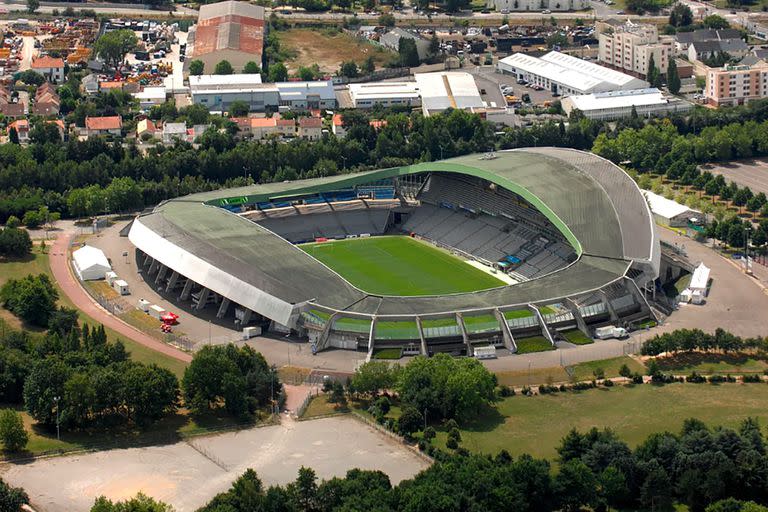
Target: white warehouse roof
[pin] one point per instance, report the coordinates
(447, 89)
(238, 81)
(383, 90)
(618, 99)
(571, 72)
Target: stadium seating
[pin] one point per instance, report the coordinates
(489, 225)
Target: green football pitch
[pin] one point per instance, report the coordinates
(400, 265)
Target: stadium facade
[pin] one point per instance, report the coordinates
(571, 231)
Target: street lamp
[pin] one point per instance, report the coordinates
(58, 432)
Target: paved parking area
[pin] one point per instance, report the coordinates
(188, 475)
(752, 173)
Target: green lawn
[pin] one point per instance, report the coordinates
(394, 330)
(536, 424)
(581, 371)
(387, 353)
(533, 344)
(320, 406)
(577, 337)
(584, 371)
(518, 313)
(400, 265)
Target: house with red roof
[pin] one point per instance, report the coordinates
(337, 125)
(107, 125)
(51, 68)
(310, 128)
(22, 129)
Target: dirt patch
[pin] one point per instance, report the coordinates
(328, 49)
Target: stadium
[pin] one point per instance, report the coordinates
(446, 256)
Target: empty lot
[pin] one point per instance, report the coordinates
(188, 475)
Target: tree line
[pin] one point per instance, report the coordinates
(690, 340)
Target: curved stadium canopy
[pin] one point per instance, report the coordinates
(597, 207)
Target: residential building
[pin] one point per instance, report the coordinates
(447, 89)
(703, 50)
(538, 5)
(385, 94)
(286, 127)
(262, 127)
(310, 128)
(151, 96)
(629, 47)
(173, 132)
(567, 75)
(90, 84)
(107, 125)
(50, 67)
(47, 101)
(609, 106)
(146, 129)
(392, 38)
(232, 31)
(218, 92)
(22, 129)
(736, 85)
(337, 126)
(684, 39)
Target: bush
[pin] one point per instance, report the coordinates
(505, 391)
(637, 378)
(608, 383)
(429, 434)
(14, 222)
(423, 445)
(451, 424)
(751, 378)
(451, 443)
(695, 378)
(383, 405)
(715, 379)
(12, 432)
(454, 433)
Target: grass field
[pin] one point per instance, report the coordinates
(400, 265)
(577, 337)
(708, 363)
(533, 344)
(581, 371)
(535, 425)
(328, 49)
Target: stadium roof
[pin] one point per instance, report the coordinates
(595, 204)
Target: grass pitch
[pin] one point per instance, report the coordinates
(400, 265)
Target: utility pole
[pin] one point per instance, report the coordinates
(58, 432)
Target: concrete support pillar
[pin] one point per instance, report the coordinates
(223, 308)
(464, 335)
(580, 323)
(506, 333)
(371, 339)
(631, 285)
(186, 290)
(172, 281)
(544, 328)
(423, 340)
(161, 273)
(609, 307)
(148, 260)
(153, 267)
(247, 314)
(203, 299)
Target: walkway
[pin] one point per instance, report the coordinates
(80, 298)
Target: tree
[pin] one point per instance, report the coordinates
(349, 69)
(410, 421)
(576, 486)
(278, 72)
(374, 376)
(31, 77)
(409, 54)
(673, 77)
(434, 44)
(387, 20)
(13, 135)
(715, 21)
(223, 68)
(123, 195)
(196, 67)
(12, 498)
(681, 15)
(653, 76)
(15, 242)
(369, 66)
(251, 67)
(239, 108)
(32, 6)
(32, 298)
(12, 433)
(625, 372)
(114, 45)
(139, 503)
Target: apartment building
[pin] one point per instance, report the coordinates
(736, 85)
(629, 47)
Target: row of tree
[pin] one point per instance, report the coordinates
(690, 340)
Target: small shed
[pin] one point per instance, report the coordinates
(121, 287)
(90, 263)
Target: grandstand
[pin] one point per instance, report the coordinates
(571, 230)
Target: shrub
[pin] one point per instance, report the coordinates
(714, 379)
(451, 443)
(383, 405)
(751, 378)
(429, 434)
(451, 424)
(454, 434)
(505, 391)
(608, 383)
(695, 378)
(423, 445)
(637, 378)
(12, 432)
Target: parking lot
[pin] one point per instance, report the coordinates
(752, 173)
(188, 474)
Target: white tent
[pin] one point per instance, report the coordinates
(700, 279)
(90, 263)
